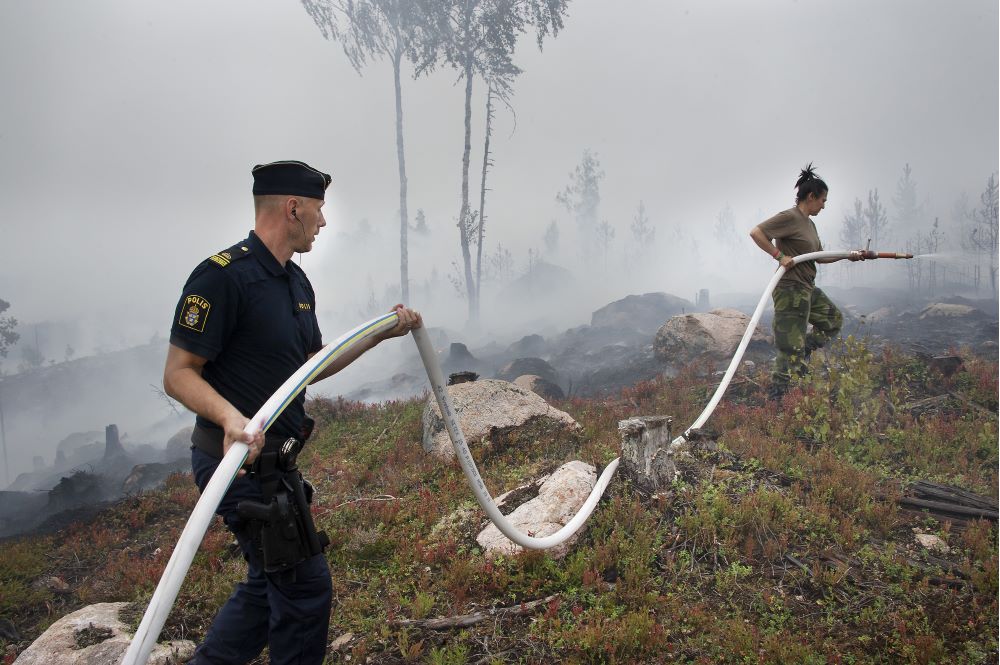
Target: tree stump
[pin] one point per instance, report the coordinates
(112, 444)
(648, 458)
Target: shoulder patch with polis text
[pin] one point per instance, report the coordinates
(194, 313)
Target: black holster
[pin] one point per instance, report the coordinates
(281, 527)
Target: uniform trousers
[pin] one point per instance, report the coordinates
(289, 611)
(796, 307)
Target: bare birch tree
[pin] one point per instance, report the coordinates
(367, 30)
(477, 38)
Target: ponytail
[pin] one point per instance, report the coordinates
(809, 183)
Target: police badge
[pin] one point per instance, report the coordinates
(194, 313)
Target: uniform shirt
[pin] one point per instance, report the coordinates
(254, 320)
(795, 234)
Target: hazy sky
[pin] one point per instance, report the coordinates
(128, 129)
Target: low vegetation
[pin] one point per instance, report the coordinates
(784, 543)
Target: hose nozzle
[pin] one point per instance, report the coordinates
(868, 254)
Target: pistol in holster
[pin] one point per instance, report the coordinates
(281, 527)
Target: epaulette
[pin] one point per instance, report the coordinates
(234, 253)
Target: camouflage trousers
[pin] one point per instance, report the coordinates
(796, 306)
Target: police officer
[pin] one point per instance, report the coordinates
(245, 322)
(797, 300)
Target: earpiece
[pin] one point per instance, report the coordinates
(293, 214)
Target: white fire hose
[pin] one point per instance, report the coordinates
(177, 567)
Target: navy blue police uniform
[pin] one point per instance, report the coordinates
(254, 321)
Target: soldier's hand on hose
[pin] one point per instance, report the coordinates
(856, 255)
(234, 432)
(408, 320)
(786, 262)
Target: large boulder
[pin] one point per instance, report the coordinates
(521, 366)
(644, 313)
(487, 410)
(712, 335)
(559, 497)
(92, 635)
(529, 345)
(940, 309)
(540, 386)
(460, 359)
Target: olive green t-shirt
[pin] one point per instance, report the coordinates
(795, 234)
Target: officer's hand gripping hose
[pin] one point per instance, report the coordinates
(177, 567)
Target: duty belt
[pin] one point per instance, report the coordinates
(209, 441)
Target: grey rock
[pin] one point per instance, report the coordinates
(529, 345)
(521, 366)
(484, 409)
(713, 335)
(541, 387)
(645, 313)
(560, 497)
(94, 635)
(940, 309)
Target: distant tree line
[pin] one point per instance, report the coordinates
(477, 40)
(973, 231)
(8, 335)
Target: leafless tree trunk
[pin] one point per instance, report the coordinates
(482, 201)
(463, 217)
(404, 260)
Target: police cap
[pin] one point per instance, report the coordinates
(291, 178)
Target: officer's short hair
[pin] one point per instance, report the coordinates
(263, 202)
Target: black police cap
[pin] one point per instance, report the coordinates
(290, 178)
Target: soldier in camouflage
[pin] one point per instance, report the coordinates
(798, 303)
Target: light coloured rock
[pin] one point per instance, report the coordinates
(944, 309)
(714, 335)
(100, 627)
(933, 543)
(540, 386)
(521, 366)
(880, 314)
(341, 642)
(486, 408)
(560, 497)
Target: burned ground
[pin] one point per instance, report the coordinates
(792, 538)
